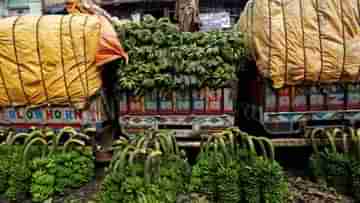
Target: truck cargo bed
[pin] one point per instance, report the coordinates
(289, 110)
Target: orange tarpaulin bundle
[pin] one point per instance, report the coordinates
(54, 59)
(110, 46)
(304, 41)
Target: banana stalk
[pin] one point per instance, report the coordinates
(140, 142)
(12, 139)
(270, 153)
(9, 137)
(72, 141)
(220, 141)
(66, 130)
(120, 156)
(50, 134)
(90, 131)
(231, 137)
(358, 142)
(28, 145)
(251, 145)
(132, 157)
(312, 137)
(149, 160)
(80, 136)
(332, 141)
(174, 145)
(32, 135)
(262, 146)
(336, 132)
(120, 144)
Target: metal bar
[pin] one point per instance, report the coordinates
(278, 142)
(188, 144)
(300, 142)
(312, 112)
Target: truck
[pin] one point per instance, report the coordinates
(301, 77)
(59, 81)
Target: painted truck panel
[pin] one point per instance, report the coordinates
(22, 118)
(182, 111)
(354, 96)
(183, 101)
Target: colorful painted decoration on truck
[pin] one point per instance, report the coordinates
(198, 98)
(136, 104)
(316, 99)
(335, 95)
(292, 117)
(284, 99)
(123, 103)
(183, 101)
(41, 115)
(23, 118)
(213, 101)
(206, 120)
(228, 100)
(270, 99)
(166, 102)
(54, 115)
(300, 95)
(354, 96)
(151, 102)
(320, 98)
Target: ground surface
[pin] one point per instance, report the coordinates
(303, 190)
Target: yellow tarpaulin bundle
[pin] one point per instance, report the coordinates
(298, 41)
(52, 59)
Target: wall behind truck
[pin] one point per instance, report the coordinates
(3, 11)
(20, 7)
(35, 7)
(159, 8)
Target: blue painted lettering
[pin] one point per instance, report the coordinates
(68, 115)
(38, 114)
(12, 114)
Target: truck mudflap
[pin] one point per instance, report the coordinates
(56, 117)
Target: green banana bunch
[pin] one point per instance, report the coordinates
(158, 50)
